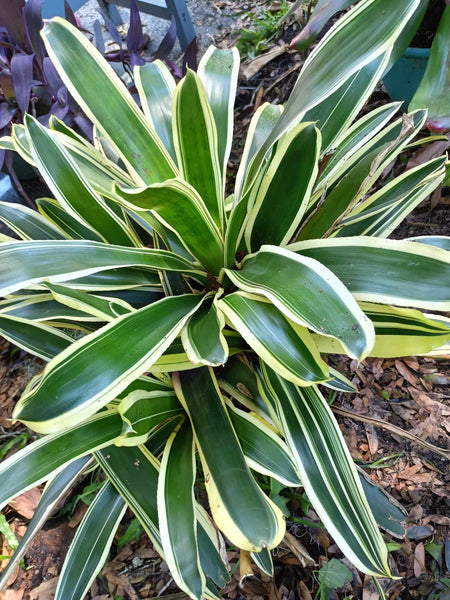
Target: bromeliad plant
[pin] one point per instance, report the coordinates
(201, 319)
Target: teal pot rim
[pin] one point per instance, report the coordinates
(417, 52)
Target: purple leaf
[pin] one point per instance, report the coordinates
(6, 114)
(85, 125)
(33, 23)
(190, 56)
(98, 37)
(2, 157)
(22, 73)
(12, 19)
(135, 35)
(71, 16)
(174, 68)
(168, 41)
(53, 79)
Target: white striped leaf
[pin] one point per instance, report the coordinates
(176, 511)
(239, 508)
(307, 293)
(54, 492)
(70, 227)
(42, 459)
(96, 368)
(90, 547)
(110, 107)
(195, 138)
(181, 209)
(27, 223)
(30, 262)
(386, 271)
(284, 345)
(218, 69)
(156, 86)
(328, 473)
(202, 337)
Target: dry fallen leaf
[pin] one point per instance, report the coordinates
(419, 559)
(26, 503)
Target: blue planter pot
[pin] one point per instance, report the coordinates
(402, 81)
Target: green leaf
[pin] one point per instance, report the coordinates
(218, 69)
(386, 271)
(324, 304)
(385, 509)
(261, 124)
(434, 89)
(72, 190)
(69, 226)
(155, 86)
(382, 212)
(134, 473)
(181, 208)
(285, 190)
(26, 263)
(142, 411)
(347, 47)
(334, 574)
(8, 533)
(287, 347)
(35, 338)
(203, 339)
(110, 107)
(264, 450)
(90, 547)
(239, 508)
(195, 137)
(328, 473)
(40, 460)
(55, 490)
(399, 332)
(176, 509)
(95, 369)
(439, 241)
(27, 223)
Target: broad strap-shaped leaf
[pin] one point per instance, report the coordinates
(36, 338)
(72, 190)
(69, 226)
(28, 224)
(285, 189)
(356, 136)
(218, 69)
(382, 212)
(399, 332)
(284, 345)
(263, 560)
(90, 546)
(134, 473)
(386, 271)
(181, 208)
(30, 262)
(347, 47)
(96, 368)
(103, 308)
(434, 89)
(110, 107)
(55, 490)
(261, 125)
(307, 293)
(264, 450)
(439, 241)
(240, 509)
(356, 181)
(43, 308)
(196, 146)
(203, 339)
(156, 86)
(42, 459)
(142, 411)
(336, 112)
(176, 511)
(328, 473)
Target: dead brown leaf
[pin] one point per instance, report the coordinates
(251, 67)
(298, 550)
(419, 559)
(45, 591)
(26, 503)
